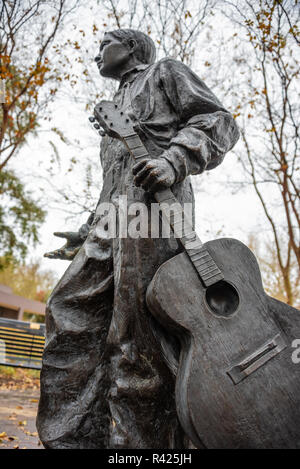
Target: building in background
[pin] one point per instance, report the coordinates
(17, 307)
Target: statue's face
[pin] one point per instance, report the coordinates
(113, 54)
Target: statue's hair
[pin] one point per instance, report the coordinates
(145, 51)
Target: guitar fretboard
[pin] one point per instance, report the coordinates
(173, 212)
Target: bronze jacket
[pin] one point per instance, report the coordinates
(175, 113)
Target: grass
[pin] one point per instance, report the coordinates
(7, 371)
(13, 372)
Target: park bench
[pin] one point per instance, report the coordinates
(21, 343)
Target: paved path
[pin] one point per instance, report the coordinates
(18, 410)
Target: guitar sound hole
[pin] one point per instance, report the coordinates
(222, 298)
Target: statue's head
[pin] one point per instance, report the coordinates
(122, 47)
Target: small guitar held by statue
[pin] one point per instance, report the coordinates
(236, 386)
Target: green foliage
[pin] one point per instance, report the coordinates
(17, 373)
(18, 115)
(40, 318)
(20, 218)
(7, 371)
(33, 373)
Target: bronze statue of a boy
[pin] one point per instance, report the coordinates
(109, 368)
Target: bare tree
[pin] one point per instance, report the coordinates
(173, 24)
(27, 31)
(269, 119)
(31, 78)
(266, 253)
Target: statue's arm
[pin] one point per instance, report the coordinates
(207, 131)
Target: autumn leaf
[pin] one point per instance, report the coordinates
(22, 423)
(31, 433)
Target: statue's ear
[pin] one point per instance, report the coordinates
(133, 45)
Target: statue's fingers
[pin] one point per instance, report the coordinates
(139, 166)
(146, 177)
(60, 234)
(70, 235)
(53, 254)
(143, 173)
(156, 186)
(150, 180)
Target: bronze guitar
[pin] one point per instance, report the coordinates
(236, 386)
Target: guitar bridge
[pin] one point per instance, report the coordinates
(257, 359)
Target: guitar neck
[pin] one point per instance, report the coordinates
(173, 213)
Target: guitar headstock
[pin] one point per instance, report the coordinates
(114, 121)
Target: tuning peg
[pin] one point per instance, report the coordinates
(92, 119)
(97, 126)
(102, 133)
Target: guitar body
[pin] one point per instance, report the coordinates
(237, 386)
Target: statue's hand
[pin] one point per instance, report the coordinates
(70, 249)
(154, 174)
